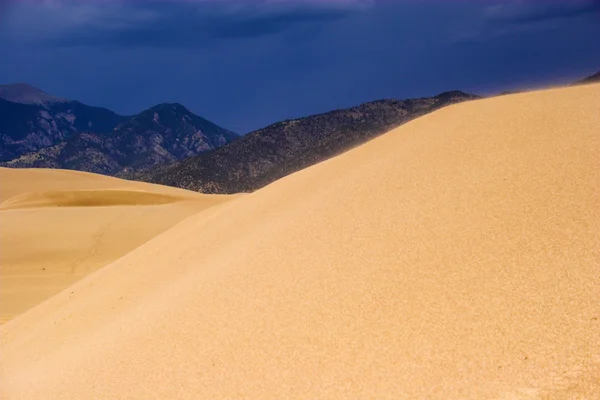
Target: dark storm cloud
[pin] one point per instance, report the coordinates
(249, 26)
(180, 24)
(247, 64)
(527, 12)
(3, 11)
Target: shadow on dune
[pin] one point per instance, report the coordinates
(86, 198)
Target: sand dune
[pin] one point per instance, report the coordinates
(21, 181)
(58, 226)
(86, 198)
(456, 257)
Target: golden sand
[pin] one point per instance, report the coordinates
(58, 226)
(456, 257)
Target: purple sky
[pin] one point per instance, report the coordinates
(245, 64)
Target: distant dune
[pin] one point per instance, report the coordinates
(456, 257)
(57, 226)
(17, 181)
(87, 198)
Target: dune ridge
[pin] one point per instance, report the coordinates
(454, 257)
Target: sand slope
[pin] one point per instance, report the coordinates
(57, 226)
(456, 257)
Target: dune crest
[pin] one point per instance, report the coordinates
(455, 257)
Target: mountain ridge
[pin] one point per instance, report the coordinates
(138, 142)
(166, 143)
(45, 131)
(26, 128)
(267, 154)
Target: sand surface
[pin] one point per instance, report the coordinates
(456, 257)
(57, 226)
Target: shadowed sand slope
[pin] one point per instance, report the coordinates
(58, 226)
(456, 257)
(86, 198)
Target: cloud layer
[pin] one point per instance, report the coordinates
(245, 63)
(167, 23)
(523, 12)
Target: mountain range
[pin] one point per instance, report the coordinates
(170, 145)
(40, 130)
(265, 155)
(31, 119)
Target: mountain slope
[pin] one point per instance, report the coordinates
(162, 134)
(268, 154)
(455, 257)
(26, 128)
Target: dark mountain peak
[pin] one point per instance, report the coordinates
(173, 116)
(24, 93)
(164, 114)
(168, 107)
